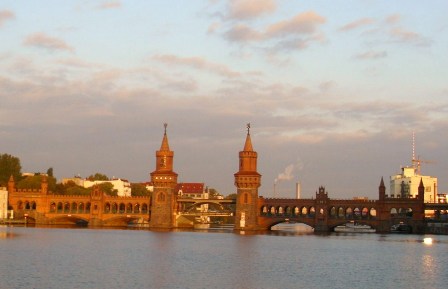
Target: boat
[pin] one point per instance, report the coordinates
(353, 227)
(401, 228)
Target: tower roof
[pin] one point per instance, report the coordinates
(165, 146)
(248, 144)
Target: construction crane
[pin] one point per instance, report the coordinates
(417, 162)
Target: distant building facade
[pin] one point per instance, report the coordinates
(122, 186)
(405, 185)
(3, 203)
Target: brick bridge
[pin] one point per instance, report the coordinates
(97, 209)
(167, 210)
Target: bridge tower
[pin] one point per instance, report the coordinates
(247, 181)
(164, 179)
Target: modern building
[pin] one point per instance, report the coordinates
(405, 185)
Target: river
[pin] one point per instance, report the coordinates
(122, 258)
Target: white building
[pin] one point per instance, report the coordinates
(123, 187)
(406, 185)
(3, 203)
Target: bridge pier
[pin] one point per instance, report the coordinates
(95, 222)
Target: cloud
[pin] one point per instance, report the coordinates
(42, 40)
(6, 15)
(356, 24)
(198, 63)
(405, 36)
(371, 55)
(298, 31)
(393, 19)
(248, 9)
(110, 5)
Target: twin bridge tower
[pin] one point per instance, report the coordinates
(165, 202)
(257, 213)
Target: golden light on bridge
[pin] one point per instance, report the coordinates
(427, 241)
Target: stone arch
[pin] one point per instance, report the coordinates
(81, 207)
(19, 205)
(33, 205)
(357, 213)
(161, 198)
(349, 213)
(364, 213)
(304, 211)
(341, 212)
(372, 212)
(393, 212)
(272, 210)
(288, 211)
(280, 210)
(137, 208)
(60, 207)
(129, 208)
(87, 210)
(333, 212)
(114, 208)
(107, 208)
(52, 207)
(144, 208)
(74, 208)
(312, 212)
(122, 208)
(27, 205)
(66, 207)
(264, 210)
(296, 211)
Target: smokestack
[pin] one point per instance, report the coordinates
(298, 190)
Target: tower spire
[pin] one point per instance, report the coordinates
(248, 144)
(165, 146)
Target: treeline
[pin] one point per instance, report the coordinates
(10, 166)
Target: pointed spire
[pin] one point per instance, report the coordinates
(165, 146)
(382, 183)
(248, 144)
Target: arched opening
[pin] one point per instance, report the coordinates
(27, 205)
(122, 208)
(19, 205)
(144, 208)
(66, 207)
(272, 210)
(280, 211)
(304, 211)
(357, 212)
(74, 207)
(107, 208)
(373, 212)
(129, 208)
(341, 212)
(87, 208)
(81, 208)
(264, 210)
(114, 208)
(137, 209)
(296, 211)
(349, 213)
(364, 213)
(161, 197)
(312, 212)
(60, 207)
(288, 211)
(52, 207)
(333, 212)
(393, 212)
(33, 205)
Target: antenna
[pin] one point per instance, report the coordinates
(413, 148)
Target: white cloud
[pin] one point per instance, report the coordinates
(42, 40)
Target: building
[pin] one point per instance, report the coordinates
(191, 190)
(122, 186)
(3, 203)
(405, 185)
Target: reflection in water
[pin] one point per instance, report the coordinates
(104, 258)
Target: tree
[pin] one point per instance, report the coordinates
(9, 166)
(138, 189)
(231, 196)
(108, 189)
(34, 182)
(98, 177)
(50, 172)
(213, 193)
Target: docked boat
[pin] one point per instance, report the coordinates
(401, 228)
(353, 227)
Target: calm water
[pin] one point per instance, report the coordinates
(112, 258)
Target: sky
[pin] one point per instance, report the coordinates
(333, 90)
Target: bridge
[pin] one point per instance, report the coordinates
(97, 209)
(167, 209)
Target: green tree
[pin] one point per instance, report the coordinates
(77, 190)
(34, 182)
(138, 189)
(108, 189)
(9, 166)
(231, 196)
(50, 172)
(98, 177)
(213, 193)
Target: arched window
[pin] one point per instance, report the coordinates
(161, 197)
